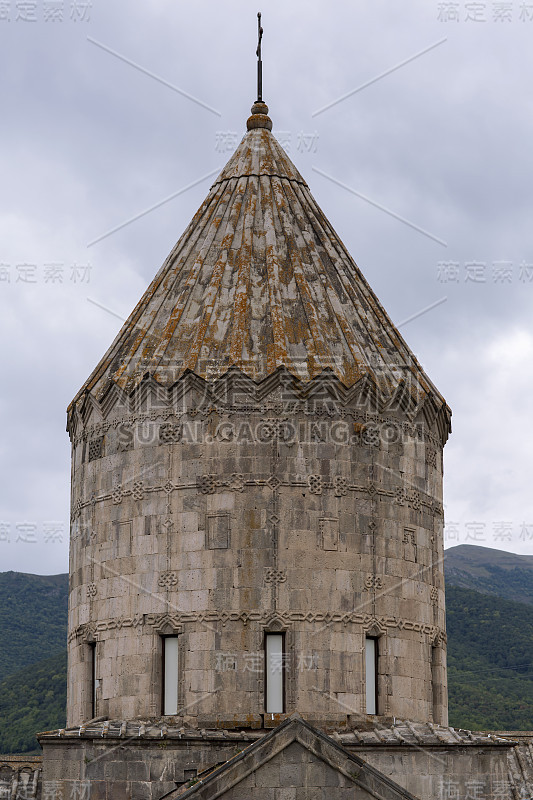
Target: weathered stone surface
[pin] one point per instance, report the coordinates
(425, 759)
(314, 546)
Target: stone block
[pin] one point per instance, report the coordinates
(286, 793)
(268, 775)
(137, 771)
(291, 774)
(118, 790)
(315, 774)
(116, 770)
(98, 791)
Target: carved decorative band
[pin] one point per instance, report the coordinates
(372, 429)
(155, 621)
(236, 482)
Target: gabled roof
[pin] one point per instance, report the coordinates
(280, 760)
(258, 281)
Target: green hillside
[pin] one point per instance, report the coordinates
(490, 647)
(33, 618)
(490, 661)
(31, 700)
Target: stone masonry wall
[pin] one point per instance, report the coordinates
(135, 768)
(222, 522)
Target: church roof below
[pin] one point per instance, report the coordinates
(400, 733)
(260, 280)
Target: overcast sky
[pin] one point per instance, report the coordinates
(110, 108)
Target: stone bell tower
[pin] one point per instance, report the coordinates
(257, 522)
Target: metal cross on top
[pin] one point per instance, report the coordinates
(259, 61)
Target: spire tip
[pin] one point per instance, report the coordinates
(259, 59)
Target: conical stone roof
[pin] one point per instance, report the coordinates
(260, 280)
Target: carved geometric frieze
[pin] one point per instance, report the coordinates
(218, 530)
(329, 533)
(262, 617)
(273, 482)
(371, 435)
(400, 495)
(167, 625)
(208, 484)
(317, 484)
(371, 429)
(340, 486)
(237, 482)
(412, 498)
(270, 429)
(276, 623)
(168, 487)
(92, 589)
(439, 639)
(137, 491)
(376, 628)
(84, 633)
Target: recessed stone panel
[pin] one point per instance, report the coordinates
(329, 533)
(218, 531)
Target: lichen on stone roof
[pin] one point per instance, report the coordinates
(260, 280)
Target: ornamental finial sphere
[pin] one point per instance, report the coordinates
(259, 118)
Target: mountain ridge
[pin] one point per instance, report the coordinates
(490, 571)
(490, 682)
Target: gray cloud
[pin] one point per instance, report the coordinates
(89, 142)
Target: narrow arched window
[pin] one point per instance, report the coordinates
(371, 674)
(274, 673)
(170, 675)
